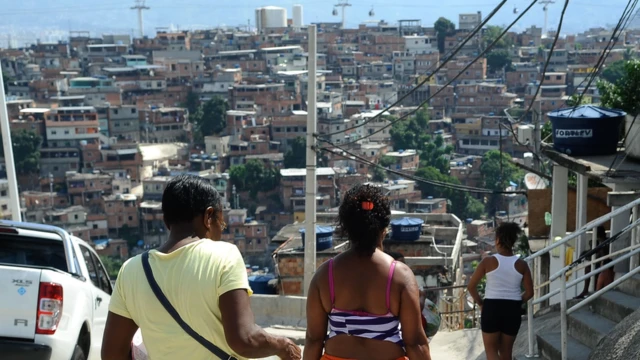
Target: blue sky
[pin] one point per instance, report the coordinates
(42, 17)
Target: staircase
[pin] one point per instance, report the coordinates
(587, 326)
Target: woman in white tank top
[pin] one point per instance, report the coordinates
(501, 307)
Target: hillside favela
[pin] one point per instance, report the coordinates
(263, 190)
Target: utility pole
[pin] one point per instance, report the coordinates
(343, 4)
(537, 115)
(545, 8)
(140, 6)
(310, 185)
(51, 196)
(14, 200)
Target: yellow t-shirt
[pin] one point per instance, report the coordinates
(192, 278)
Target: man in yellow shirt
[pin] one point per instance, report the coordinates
(203, 279)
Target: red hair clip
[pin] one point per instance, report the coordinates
(367, 205)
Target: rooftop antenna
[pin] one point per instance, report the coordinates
(545, 8)
(140, 6)
(343, 4)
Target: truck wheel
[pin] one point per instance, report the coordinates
(78, 354)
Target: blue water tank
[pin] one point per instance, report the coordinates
(260, 284)
(324, 237)
(406, 229)
(586, 130)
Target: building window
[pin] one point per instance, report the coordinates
(3, 193)
(75, 216)
(130, 218)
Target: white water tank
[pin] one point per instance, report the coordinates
(297, 16)
(271, 17)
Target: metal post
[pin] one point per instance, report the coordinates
(633, 262)
(581, 218)
(530, 333)
(51, 196)
(594, 243)
(14, 200)
(563, 313)
(310, 185)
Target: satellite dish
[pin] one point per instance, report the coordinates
(534, 182)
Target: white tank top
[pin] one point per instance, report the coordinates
(504, 283)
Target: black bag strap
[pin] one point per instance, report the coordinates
(174, 314)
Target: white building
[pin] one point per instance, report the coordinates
(297, 16)
(271, 17)
(469, 21)
(420, 44)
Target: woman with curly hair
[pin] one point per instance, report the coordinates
(363, 295)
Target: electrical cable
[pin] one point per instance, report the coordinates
(463, 188)
(409, 113)
(546, 64)
(623, 22)
(429, 72)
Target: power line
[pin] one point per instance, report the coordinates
(430, 73)
(391, 123)
(464, 188)
(622, 24)
(546, 64)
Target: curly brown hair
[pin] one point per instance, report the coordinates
(364, 214)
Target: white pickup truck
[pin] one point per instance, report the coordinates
(54, 294)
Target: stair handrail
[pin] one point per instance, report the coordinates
(583, 230)
(632, 248)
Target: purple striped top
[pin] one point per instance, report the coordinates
(358, 323)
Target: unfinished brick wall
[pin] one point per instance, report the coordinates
(540, 202)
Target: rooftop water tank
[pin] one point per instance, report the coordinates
(586, 130)
(260, 284)
(406, 229)
(324, 237)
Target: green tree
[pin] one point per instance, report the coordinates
(625, 93)
(386, 161)
(238, 176)
(497, 171)
(6, 79)
(254, 177)
(112, 265)
(462, 204)
(491, 33)
(377, 174)
(26, 151)
(210, 118)
(444, 27)
(629, 54)
(192, 102)
(498, 59)
(414, 134)
(614, 72)
(296, 157)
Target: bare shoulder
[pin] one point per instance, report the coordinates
(521, 266)
(489, 263)
(403, 273)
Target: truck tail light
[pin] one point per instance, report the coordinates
(49, 308)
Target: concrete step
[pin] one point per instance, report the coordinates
(588, 328)
(631, 286)
(550, 349)
(615, 305)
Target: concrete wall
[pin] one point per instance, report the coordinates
(272, 310)
(540, 202)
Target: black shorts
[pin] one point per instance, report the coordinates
(501, 316)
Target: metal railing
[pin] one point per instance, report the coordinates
(629, 253)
